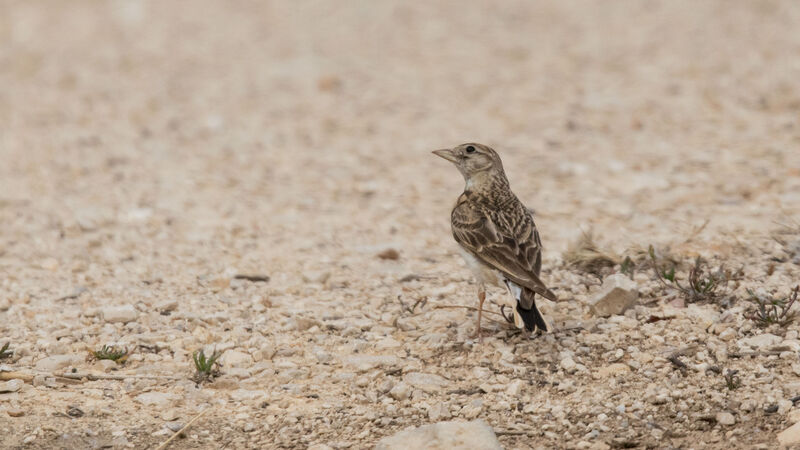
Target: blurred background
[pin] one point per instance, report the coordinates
(309, 124)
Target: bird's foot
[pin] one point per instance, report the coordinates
(509, 319)
(477, 334)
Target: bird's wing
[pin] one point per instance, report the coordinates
(506, 241)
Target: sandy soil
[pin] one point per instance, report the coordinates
(153, 150)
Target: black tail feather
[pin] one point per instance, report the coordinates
(532, 318)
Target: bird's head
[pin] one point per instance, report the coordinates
(473, 160)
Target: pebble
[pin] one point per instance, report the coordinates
(15, 412)
(157, 399)
(427, 382)
(10, 386)
(438, 412)
(363, 363)
(174, 426)
(57, 362)
(400, 391)
(444, 436)
(725, 418)
(790, 436)
(761, 341)
(234, 358)
(611, 370)
(121, 314)
(617, 294)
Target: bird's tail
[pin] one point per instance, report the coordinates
(531, 318)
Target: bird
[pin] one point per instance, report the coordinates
(497, 235)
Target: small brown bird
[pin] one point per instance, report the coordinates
(498, 238)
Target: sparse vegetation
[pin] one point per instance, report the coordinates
(5, 352)
(771, 310)
(111, 352)
(206, 367)
(586, 256)
(732, 380)
(702, 283)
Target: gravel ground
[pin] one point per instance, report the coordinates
(151, 151)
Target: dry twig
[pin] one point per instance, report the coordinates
(182, 430)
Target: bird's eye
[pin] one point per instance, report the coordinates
(470, 149)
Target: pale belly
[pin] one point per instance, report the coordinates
(482, 272)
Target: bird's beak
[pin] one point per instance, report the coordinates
(447, 154)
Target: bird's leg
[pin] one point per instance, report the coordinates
(481, 299)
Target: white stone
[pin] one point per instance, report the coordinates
(725, 418)
(56, 362)
(611, 370)
(728, 335)
(401, 391)
(10, 386)
(444, 436)
(617, 294)
(568, 364)
(790, 436)
(233, 358)
(123, 314)
(515, 388)
(428, 382)
(760, 341)
(157, 399)
(438, 412)
(363, 363)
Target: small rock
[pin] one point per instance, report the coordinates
(784, 406)
(438, 412)
(444, 436)
(74, 411)
(401, 391)
(793, 416)
(249, 427)
(233, 358)
(15, 412)
(515, 388)
(390, 254)
(56, 362)
(174, 426)
(762, 341)
(568, 364)
(725, 418)
(790, 435)
(123, 314)
(320, 447)
(617, 294)
(10, 386)
(612, 370)
(170, 415)
(315, 276)
(363, 363)
(158, 399)
(427, 382)
(472, 409)
(728, 335)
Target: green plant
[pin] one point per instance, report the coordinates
(4, 352)
(732, 380)
(772, 310)
(701, 282)
(628, 267)
(206, 367)
(111, 352)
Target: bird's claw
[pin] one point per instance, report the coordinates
(509, 319)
